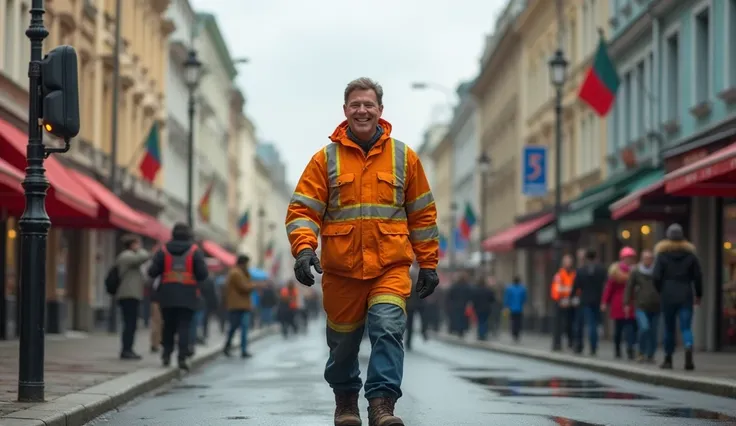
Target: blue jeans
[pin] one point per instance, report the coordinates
(239, 319)
(266, 316)
(386, 325)
(589, 316)
(197, 320)
(483, 324)
(673, 314)
(648, 323)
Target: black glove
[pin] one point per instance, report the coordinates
(303, 267)
(427, 282)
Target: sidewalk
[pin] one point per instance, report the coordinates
(714, 374)
(85, 378)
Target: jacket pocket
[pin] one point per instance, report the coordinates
(387, 189)
(393, 244)
(338, 247)
(344, 190)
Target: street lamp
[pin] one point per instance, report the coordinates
(261, 232)
(193, 73)
(558, 77)
(484, 167)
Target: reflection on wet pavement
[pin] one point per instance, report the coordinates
(564, 421)
(483, 370)
(553, 382)
(599, 394)
(692, 413)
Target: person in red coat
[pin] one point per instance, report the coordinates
(613, 302)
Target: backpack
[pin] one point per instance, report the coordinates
(112, 280)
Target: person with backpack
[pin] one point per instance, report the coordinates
(182, 268)
(129, 290)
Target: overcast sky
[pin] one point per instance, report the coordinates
(303, 53)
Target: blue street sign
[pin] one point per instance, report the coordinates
(534, 169)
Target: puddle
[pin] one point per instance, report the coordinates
(554, 383)
(692, 413)
(483, 370)
(599, 394)
(564, 421)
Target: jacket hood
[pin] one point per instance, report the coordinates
(340, 135)
(617, 272)
(178, 247)
(674, 248)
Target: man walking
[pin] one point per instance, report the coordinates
(588, 284)
(130, 291)
(641, 292)
(366, 194)
(238, 297)
(514, 299)
(181, 266)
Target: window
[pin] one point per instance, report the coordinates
(641, 99)
(630, 109)
(672, 76)
(701, 54)
(595, 142)
(581, 141)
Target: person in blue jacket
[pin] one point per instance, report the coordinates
(514, 299)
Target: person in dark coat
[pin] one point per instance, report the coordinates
(678, 278)
(178, 291)
(483, 299)
(458, 298)
(587, 289)
(640, 292)
(414, 306)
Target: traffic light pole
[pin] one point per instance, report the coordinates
(34, 228)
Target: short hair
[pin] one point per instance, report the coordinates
(590, 254)
(128, 240)
(243, 259)
(364, 83)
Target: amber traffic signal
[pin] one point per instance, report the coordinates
(60, 91)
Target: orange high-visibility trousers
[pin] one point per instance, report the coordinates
(346, 300)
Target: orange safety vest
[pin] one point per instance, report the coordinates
(292, 296)
(562, 284)
(179, 269)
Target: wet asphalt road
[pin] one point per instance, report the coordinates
(444, 385)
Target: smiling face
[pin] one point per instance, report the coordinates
(363, 111)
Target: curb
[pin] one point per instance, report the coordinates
(712, 386)
(79, 408)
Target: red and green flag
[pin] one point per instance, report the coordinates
(601, 82)
(151, 163)
(269, 250)
(205, 205)
(468, 222)
(276, 266)
(244, 223)
(443, 245)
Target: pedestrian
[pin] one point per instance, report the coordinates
(182, 267)
(238, 297)
(590, 280)
(156, 323)
(368, 198)
(288, 305)
(678, 278)
(561, 292)
(483, 299)
(130, 292)
(269, 300)
(613, 302)
(460, 295)
(640, 290)
(514, 299)
(414, 307)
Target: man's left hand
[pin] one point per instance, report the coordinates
(427, 282)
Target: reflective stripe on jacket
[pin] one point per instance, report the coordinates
(374, 211)
(562, 284)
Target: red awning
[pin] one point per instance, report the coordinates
(153, 228)
(504, 241)
(112, 208)
(11, 178)
(710, 176)
(219, 252)
(632, 202)
(66, 197)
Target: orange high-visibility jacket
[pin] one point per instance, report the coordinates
(373, 211)
(562, 284)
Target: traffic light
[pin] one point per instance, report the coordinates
(60, 91)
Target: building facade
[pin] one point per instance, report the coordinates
(249, 180)
(678, 72)
(176, 151)
(432, 137)
(212, 129)
(442, 165)
(498, 90)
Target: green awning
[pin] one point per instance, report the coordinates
(592, 205)
(644, 181)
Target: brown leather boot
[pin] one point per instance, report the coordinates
(346, 410)
(381, 413)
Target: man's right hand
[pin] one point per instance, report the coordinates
(303, 267)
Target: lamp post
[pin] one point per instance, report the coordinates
(484, 167)
(261, 232)
(193, 72)
(558, 76)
